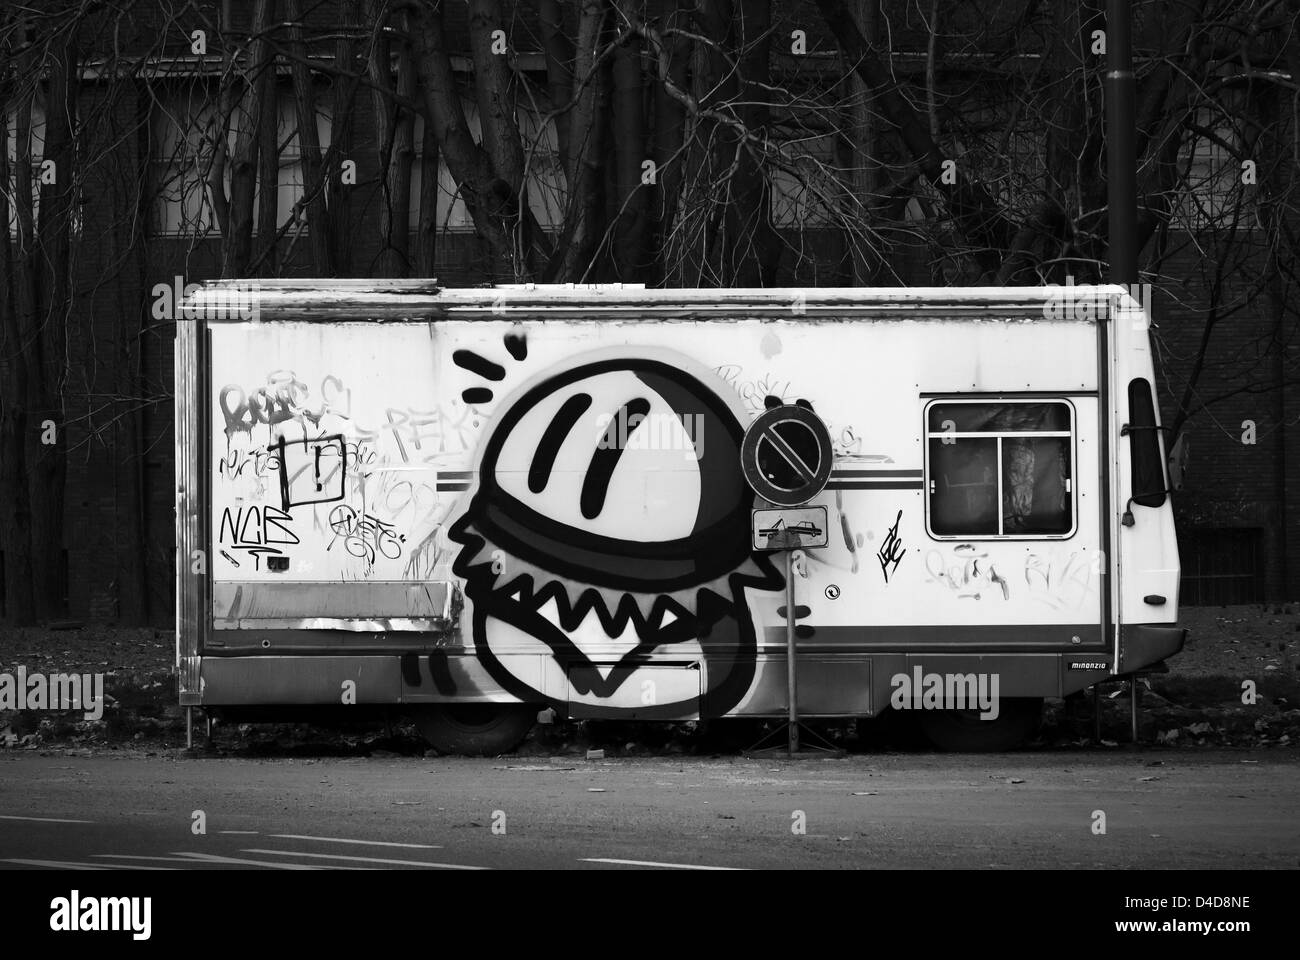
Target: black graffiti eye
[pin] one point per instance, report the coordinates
(608, 453)
(605, 459)
(539, 471)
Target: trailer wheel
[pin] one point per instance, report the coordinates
(963, 731)
(475, 729)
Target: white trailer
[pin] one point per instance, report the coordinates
(474, 504)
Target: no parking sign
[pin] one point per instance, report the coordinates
(786, 455)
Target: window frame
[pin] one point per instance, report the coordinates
(167, 101)
(928, 480)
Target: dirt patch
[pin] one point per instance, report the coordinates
(1247, 641)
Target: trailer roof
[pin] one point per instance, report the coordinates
(381, 299)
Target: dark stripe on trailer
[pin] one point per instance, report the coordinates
(1018, 394)
(875, 473)
(882, 485)
(973, 639)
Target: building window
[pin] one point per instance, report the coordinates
(1221, 566)
(1209, 156)
(808, 188)
(185, 128)
(37, 155)
(545, 180)
(1000, 468)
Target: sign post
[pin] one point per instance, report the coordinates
(786, 458)
(791, 666)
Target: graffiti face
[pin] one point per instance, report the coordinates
(607, 548)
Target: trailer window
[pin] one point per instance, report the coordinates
(999, 469)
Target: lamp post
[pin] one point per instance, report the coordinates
(1121, 159)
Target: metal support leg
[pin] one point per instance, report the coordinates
(1134, 695)
(208, 718)
(189, 728)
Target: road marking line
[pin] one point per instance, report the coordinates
(245, 833)
(367, 843)
(190, 859)
(213, 858)
(652, 863)
(71, 865)
(339, 856)
(45, 820)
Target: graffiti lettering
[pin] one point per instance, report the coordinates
(410, 501)
(299, 456)
(1060, 581)
(278, 401)
(970, 572)
(257, 531)
(364, 536)
(255, 462)
(891, 551)
(754, 392)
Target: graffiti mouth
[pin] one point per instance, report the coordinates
(601, 634)
(628, 637)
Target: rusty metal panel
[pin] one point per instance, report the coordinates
(827, 686)
(1019, 675)
(230, 681)
(327, 301)
(440, 677)
(351, 605)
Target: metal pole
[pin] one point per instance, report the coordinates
(1122, 254)
(793, 720)
(189, 728)
(1121, 159)
(1134, 694)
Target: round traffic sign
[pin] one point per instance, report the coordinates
(786, 455)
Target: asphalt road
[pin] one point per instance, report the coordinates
(1185, 809)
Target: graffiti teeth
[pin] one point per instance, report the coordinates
(591, 640)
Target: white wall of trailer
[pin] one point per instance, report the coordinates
(390, 399)
(1147, 552)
